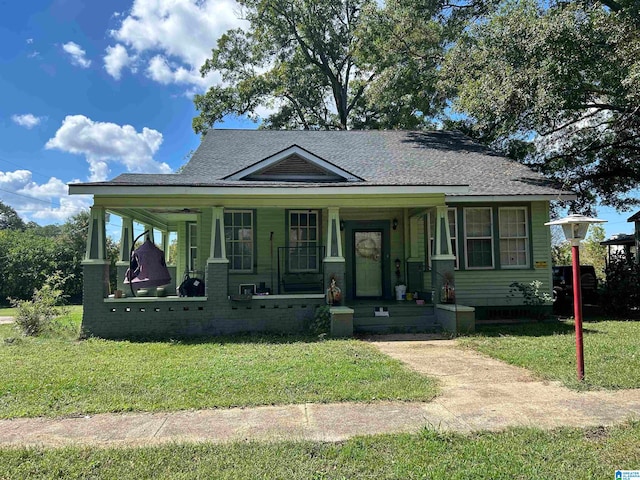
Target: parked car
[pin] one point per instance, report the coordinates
(563, 285)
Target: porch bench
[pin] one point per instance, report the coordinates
(302, 283)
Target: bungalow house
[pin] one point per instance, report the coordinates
(268, 218)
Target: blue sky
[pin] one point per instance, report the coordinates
(93, 89)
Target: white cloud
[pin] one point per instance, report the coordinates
(175, 37)
(160, 71)
(77, 54)
(27, 120)
(116, 59)
(46, 201)
(29, 41)
(102, 142)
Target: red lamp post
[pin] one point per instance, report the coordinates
(575, 230)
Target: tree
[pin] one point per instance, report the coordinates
(334, 64)
(557, 84)
(9, 218)
(592, 253)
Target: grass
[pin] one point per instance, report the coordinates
(8, 311)
(74, 310)
(57, 375)
(516, 453)
(611, 351)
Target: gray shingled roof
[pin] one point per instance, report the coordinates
(387, 157)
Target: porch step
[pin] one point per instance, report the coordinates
(402, 317)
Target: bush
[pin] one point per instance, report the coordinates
(530, 292)
(34, 316)
(621, 293)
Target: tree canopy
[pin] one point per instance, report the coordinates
(324, 65)
(9, 218)
(555, 84)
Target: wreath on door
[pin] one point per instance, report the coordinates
(367, 248)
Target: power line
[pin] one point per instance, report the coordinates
(27, 196)
(23, 168)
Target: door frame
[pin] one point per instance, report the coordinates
(352, 226)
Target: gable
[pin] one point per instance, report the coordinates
(294, 164)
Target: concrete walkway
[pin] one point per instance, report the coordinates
(4, 320)
(478, 393)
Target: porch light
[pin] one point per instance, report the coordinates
(394, 223)
(341, 225)
(575, 229)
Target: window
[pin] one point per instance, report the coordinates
(514, 237)
(238, 233)
(303, 241)
(453, 231)
(192, 232)
(478, 229)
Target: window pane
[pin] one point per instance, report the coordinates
(479, 252)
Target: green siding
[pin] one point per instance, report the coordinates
(491, 287)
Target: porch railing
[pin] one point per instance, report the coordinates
(300, 269)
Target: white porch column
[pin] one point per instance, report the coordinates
(165, 244)
(218, 251)
(96, 237)
(443, 260)
(150, 234)
(334, 262)
(442, 238)
(126, 237)
(334, 239)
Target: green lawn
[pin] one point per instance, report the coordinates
(8, 311)
(611, 351)
(512, 454)
(74, 310)
(57, 375)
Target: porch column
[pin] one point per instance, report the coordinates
(334, 262)
(126, 237)
(415, 263)
(173, 270)
(150, 234)
(443, 260)
(95, 266)
(216, 280)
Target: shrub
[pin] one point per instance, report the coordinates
(34, 316)
(530, 292)
(621, 292)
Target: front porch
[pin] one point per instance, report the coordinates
(264, 269)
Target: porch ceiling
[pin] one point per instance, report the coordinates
(158, 217)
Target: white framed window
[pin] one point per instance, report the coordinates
(303, 240)
(452, 216)
(238, 234)
(192, 232)
(514, 237)
(478, 238)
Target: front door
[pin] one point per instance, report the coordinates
(367, 255)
